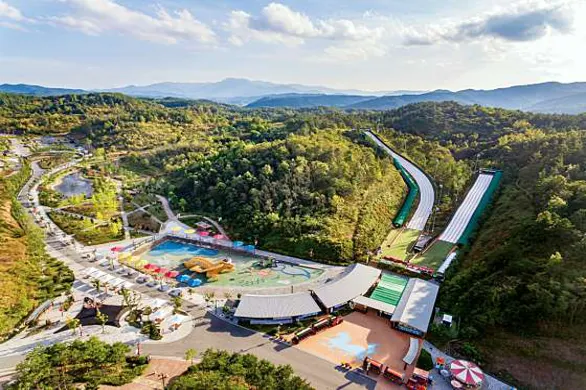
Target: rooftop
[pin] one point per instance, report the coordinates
(355, 281)
(277, 306)
(416, 305)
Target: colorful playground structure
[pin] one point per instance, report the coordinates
(202, 265)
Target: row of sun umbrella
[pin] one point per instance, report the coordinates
(177, 229)
(126, 258)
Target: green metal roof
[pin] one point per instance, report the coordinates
(390, 289)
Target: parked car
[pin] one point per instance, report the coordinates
(142, 279)
(152, 283)
(104, 263)
(131, 273)
(176, 292)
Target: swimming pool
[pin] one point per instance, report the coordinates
(248, 270)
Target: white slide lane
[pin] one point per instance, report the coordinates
(426, 194)
(461, 218)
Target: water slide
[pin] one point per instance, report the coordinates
(427, 195)
(465, 212)
(201, 265)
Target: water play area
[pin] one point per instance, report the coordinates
(249, 270)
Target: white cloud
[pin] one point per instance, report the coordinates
(277, 23)
(94, 17)
(238, 25)
(355, 51)
(526, 21)
(9, 12)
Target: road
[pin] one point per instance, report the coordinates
(426, 192)
(211, 332)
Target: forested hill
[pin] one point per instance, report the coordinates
(308, 100)
(545, 97)
(304, 182)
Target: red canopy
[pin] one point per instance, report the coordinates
(204, 233)
(152, 267)
(467, 372)
(117, 249)
(172, 274)
(162, 270)
(219, 236)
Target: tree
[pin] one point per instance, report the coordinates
(90, 362)
(176, 304)
(102, 319)
(97, 284)
(73, 324)
(190, 355)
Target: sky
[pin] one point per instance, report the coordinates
(373, 45)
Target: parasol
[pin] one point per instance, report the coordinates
(117, 249)
(176, 229)
(204, 234)
(162, 270)
(466, 372)
(218, 236)
(152, 267)
(189, 231)
(194, 282)
(171, 274)
(138, 262)
(182, 278)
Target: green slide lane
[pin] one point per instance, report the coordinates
(405, 210)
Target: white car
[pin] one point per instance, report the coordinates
(176, 292)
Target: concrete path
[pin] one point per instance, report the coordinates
(170, 214)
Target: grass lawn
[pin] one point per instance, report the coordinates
(435, 255)
(84, 231)
(398, 243)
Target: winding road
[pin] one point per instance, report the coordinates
(427, 195)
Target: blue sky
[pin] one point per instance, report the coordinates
(366, 44)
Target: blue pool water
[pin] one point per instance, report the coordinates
(247, 273)
(174, 248)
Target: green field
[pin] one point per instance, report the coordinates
(435, 255)
(398, 243)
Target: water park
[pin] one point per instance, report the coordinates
(215, 265)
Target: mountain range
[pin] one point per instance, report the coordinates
(550, 97)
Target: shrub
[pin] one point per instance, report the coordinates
(425, 361)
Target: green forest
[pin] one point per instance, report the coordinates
(308, 183)
(28, 275)
(221, 370)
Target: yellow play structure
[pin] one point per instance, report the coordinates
(201, 265)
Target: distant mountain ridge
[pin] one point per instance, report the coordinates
(37, 90)
(550, 97)
(231, 89)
